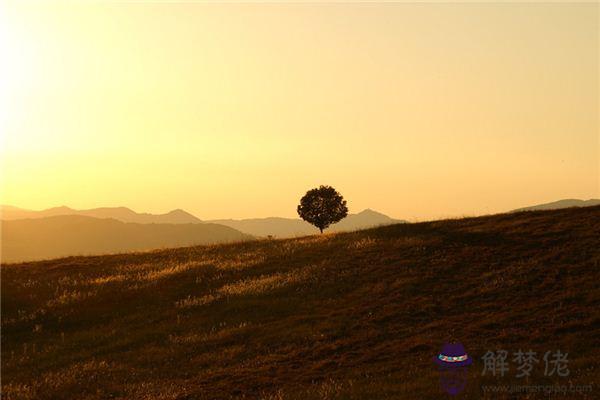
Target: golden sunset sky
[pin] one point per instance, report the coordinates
(235, 110)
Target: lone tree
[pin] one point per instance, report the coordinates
(322, 207)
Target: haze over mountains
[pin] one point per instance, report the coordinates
(291, 227)
(123, 214)
(274, 226)
(62, 231)
(67, 235)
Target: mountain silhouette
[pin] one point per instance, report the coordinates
(122, 214)
(66, 235)
(291, 227)
(566, 203)
(271, 226)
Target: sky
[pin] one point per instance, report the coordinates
(235, 110)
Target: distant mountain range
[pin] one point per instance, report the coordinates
(123, 214)
(273, 226)
(62, 231)
(65, 235)
(291, 227)
(561, 204)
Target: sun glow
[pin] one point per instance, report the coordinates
(235, 110)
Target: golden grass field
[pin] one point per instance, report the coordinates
(339, 316)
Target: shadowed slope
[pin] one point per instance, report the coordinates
(343, 316)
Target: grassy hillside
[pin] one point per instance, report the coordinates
(342, 316)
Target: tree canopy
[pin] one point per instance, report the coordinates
(322, 207)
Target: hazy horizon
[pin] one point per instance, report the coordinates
(236, 110)
(352, 212)
(161, 212)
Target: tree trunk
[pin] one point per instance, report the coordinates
(321, 229)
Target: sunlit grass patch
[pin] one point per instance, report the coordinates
(212, 334)
(70, 297)
(405, 241)
(69, 380)
(250, 286)
(192, 301)
(168, 271)
(266, 283)
(362, 243)
(108, 279)
(241, 261)
(136, 267)
(138, 274)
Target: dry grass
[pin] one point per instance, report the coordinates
(344, 316)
